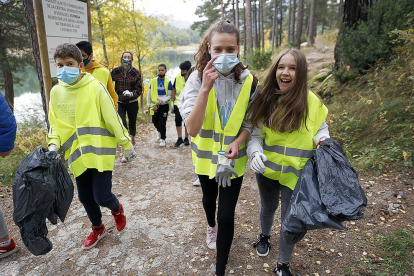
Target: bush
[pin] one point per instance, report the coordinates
(260, 59)
(373, 39)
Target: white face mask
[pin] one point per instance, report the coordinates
(224, 63)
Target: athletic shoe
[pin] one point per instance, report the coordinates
(162, 143)
(120, 219)
(197, 182)
(262, 245)
(211, 237)
(158, 135)
(186, 141)
(8, 250)
(98, 232)
(179, 142)
(283, 270)
(123, 160)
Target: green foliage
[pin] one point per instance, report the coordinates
(260, 59)
(179, 37)
(370, 41)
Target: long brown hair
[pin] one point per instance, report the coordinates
(282, 112)
(202, 57)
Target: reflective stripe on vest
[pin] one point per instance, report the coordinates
(84, 131)
(287, 153)
(154, 92)
(179, 86)
(90, 149)
(207, 142)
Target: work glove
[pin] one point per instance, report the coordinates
(130, 154)
(257, 162)
(53, 147)
(224, 171)
(128, 93)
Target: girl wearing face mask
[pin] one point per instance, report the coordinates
(128, 86)
(213, 104)
(289, 121)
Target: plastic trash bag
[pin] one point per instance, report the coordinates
(327, 193)
(42, 189)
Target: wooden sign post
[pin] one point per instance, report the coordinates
(57, 22)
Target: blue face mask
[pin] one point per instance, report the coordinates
(68, 74)
(224, 63)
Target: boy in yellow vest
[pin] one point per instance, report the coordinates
(98, 70)
(84, 122)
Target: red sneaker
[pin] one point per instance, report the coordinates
(120, 219)
(8, 250)
(98, 232)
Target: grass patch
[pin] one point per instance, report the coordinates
(393, 255)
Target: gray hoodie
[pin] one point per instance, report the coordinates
(227, 92)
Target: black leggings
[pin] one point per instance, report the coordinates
(94, 190)
(132, 110)
(225, 216)
(159, 119)
(178, 119)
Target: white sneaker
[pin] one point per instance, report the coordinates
(211, 237)
(197, 182)
(158, 135)
(162, 143)
(123, 160)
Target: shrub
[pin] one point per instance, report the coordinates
(260, 59)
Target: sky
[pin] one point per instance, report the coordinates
(182, 12)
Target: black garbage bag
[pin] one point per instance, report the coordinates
(327, 193)
(341, 192)
(42, 189)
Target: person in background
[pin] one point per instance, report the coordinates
(178, 86)
(84, 122)
(128, 86)
(159, 94)
(289, 122)
(8, 129)
(98, 70)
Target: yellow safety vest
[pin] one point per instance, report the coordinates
(207, 142)
(179, 86)
(90, 145)
(154, 92)
(288, 152)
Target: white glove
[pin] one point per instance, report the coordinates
(172, 107)
(53, 147)
(224, 171)
(257, 162)
(130, 154)
(128, 93)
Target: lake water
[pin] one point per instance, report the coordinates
(28, 105)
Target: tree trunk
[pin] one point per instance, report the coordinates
(312, 23)
(274, 29)
(234, 13)
(97, 7)
(254, 29)
(281, 24)
(290, 21)
(261, 24)
(8, 84)
(332, 13)
(248, 14)
(31, 27)
(293, 20)
(299, 24)
(222, 9)
(236, 21)
(340, 11)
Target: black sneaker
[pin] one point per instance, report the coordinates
(283, 270)
(179, 142)
(262, 245)
(186, 141)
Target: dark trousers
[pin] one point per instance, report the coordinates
(130, 109)
(178, 118)
(94, 190)
(227, 200)
(159, 119)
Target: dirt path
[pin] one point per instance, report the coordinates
(165, 232)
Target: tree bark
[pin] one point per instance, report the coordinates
(261, 24)
(312, 21)
(8, 85)
(332, 13)
(293, 20)
(222, 9)
(274, 29)
(255, 32)
(97, 7)
(236, 21)
(290, 21)
(280, 25)
(248, 13)
(31, 27)
(245, 31)
(340, 11)
(234, 13)
(299, 24)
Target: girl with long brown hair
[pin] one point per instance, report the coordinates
(213, 105)
(289, 121)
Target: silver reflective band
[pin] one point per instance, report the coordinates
(286, 169)
(84, 131)
(75, 155)
(209, 154)
(153, 102)
(99, 151)
(289, 151)
(204, 133)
